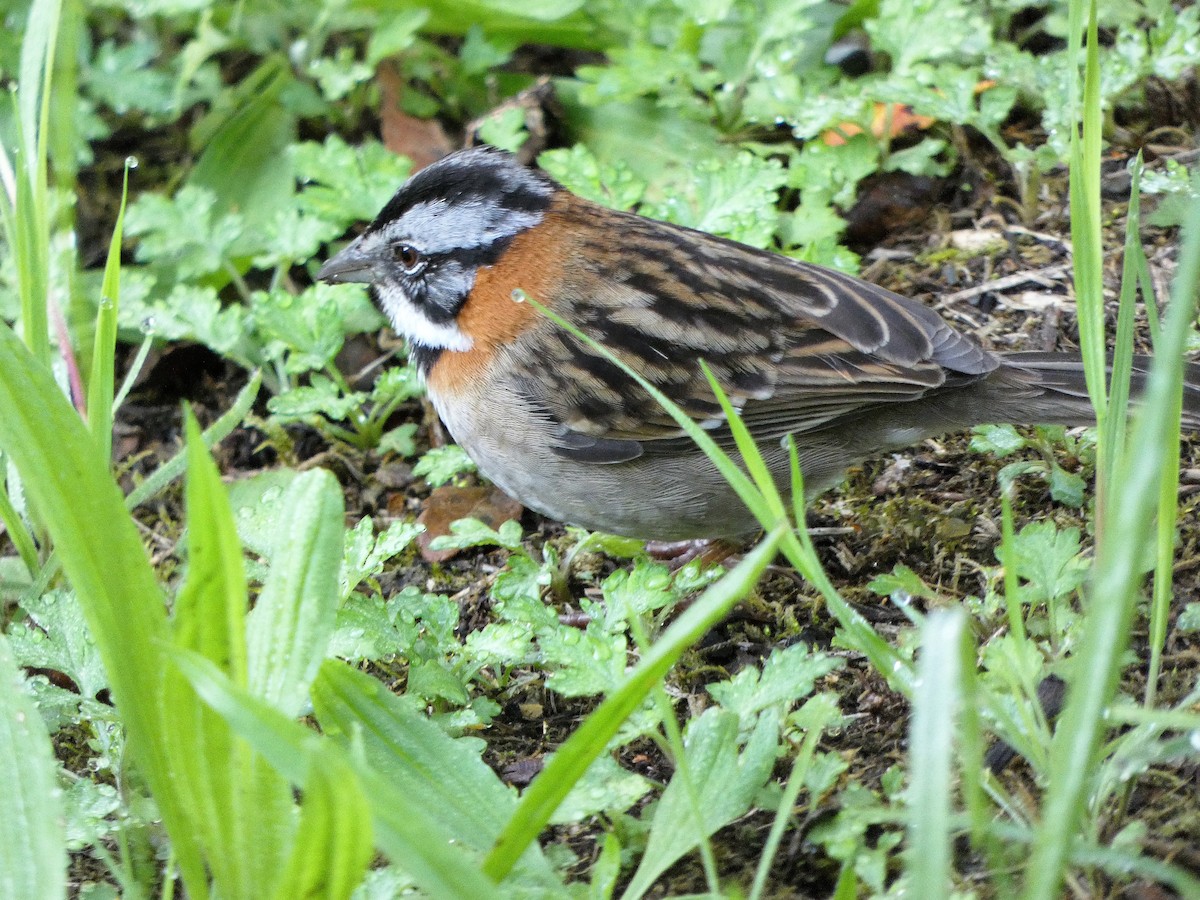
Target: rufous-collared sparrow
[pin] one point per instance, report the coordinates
(848, 368)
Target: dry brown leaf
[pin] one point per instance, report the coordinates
(450, 503)
(421, 140)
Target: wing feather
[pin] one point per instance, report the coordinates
(795, 345)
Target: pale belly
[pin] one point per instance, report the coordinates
(664, 497)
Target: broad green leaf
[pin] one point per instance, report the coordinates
(365, 553)
(724, 778)
(394, 33)
(1049, 560)
(787, 676)
(505, 129)
(441, 865)
(321, 397)
(583, 663)
(288, 631)
(998, 439)
(902, 30)
(343, 184)
(56, 637)
(734, 198)
(92, 812)
(432, 681)
(612, 184)
(400, 441)
(651, 140)
(191, 232)
(240, 808)
(628, 594)
(441, 464)
(558, 23)
(125, 77)
(604, 788)
(240, 162)
(901, 581)
(436, 772)
(256, 502)
(309, 329)
(1067, 487)
(474, 533)
(189, 312)
(1188, 621)
(364, 630)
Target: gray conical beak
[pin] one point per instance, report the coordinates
(350, 266)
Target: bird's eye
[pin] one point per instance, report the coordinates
(408, 256)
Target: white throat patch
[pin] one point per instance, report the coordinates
(410, 321)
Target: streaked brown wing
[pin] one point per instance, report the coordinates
(794, 345)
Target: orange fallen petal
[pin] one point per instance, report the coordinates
(891, 119)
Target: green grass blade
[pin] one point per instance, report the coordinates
(752, 457)
(30, 226)
(31, 254)
(14, 526)
(102, 555)
(1121, 863)
(1086, 237)
(798, 547)
(824, 712)
(210, 609)
(1149, 297)
(135, 369)
(1168, 497)
(216, 432)
(1164, 558)
(102, 378)
(1008, 550)
(1117, 420)
(288, 631)
(33, 849)
(937, 700)
(857, 632)
(573, 757)
(63, 140)
(333, 842)
(1127, 526)
(34, 76)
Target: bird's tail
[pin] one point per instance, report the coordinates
(1049, 388)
